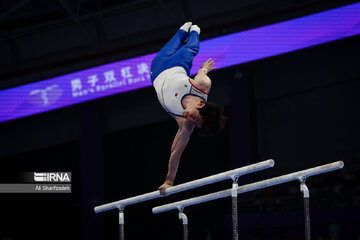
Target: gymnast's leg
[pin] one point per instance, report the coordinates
(187, 52)
(176, 41)
(162, 60)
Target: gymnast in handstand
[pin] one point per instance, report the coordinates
(184, 98)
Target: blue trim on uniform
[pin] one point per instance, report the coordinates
(196, 96)
(192, 95)
(181, 101)
(176, 114)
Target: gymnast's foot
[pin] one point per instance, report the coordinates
(186, 26)
(195, 28)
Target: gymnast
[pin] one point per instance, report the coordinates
(184, 98)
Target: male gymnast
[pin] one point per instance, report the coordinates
(184, 98)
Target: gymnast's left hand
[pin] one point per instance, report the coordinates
(208, 65)
(163, 188)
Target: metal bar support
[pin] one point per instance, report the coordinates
(234, 196)
(304, 189)
(121, 223)
(184, 219)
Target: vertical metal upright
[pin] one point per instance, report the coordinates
(184, 219)
(234, 195)
(121, 223)
(305, 190)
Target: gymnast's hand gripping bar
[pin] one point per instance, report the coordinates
(300, 175)
(232, 174)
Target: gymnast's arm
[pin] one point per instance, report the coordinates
(181, 139)
(201, 79)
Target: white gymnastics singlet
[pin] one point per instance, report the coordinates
(171, 86)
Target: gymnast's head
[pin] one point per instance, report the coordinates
(212, 119)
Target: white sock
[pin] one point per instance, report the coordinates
(195, 28)
(186, 26)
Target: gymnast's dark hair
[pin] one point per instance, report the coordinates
(213, 119)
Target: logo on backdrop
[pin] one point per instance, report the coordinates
(45, 96)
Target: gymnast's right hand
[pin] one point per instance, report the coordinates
(163, 188)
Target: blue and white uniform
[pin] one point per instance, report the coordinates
(170, 70)
(171, 86)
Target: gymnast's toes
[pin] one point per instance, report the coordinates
(186, 26)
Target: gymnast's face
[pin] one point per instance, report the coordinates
(192, 114)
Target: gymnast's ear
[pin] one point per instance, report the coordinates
(201, 104)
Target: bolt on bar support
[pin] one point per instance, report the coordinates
(254, 186)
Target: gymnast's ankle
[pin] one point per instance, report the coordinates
(195, 28)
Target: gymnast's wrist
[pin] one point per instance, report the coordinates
(169, 181)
